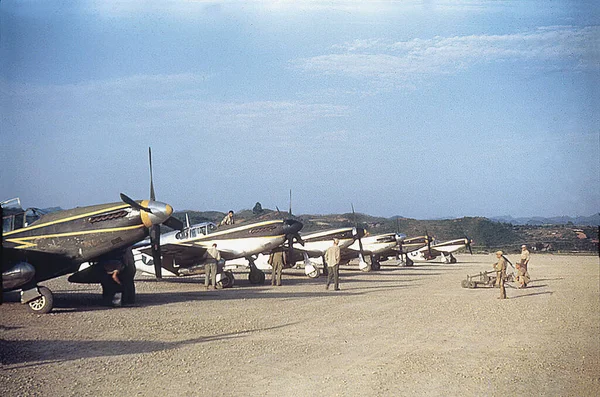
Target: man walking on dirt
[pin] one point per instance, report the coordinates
(525, 260)
(332, 259)
(500, 268)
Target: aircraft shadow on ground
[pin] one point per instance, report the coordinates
(66, 301)
(29, 353)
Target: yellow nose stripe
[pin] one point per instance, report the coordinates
(169, 210)
(145, 215)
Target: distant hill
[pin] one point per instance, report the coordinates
(487, 234)
(557, 220)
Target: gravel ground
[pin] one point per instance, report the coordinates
(400, 331)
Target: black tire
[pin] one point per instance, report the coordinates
(375, 265)
(314, 274)
(452, 259)
(472, 284)
(256, 277)
(43, 304)
(409, 262)
(226, 280)
(464, 284)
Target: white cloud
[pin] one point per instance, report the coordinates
(398, 63)
(171, 105)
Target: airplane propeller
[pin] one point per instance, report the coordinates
(156, 213)
(469, 241)
(291, 229)
(358, 233)
(428, 238)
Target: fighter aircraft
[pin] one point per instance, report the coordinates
(375, 246)
(38, 247)
(442, 249)
(183, 251)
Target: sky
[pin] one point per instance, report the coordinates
(424, 109)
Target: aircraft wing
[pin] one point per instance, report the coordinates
(183, 255)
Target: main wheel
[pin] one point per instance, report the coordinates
(44, 303)
(314, 273)
(375, 265)
(225, 280)
(256, 277)
(472, 284)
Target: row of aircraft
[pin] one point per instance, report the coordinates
(107, 243)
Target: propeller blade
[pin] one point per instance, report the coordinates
(155, 245)
(428, 237)
(152, 195)
(290, 211)
(134, 204)
(174, 223)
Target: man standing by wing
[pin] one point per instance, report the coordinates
(332, 259)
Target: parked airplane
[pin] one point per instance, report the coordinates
(183, 251)
(316, 243)
(38, 247)
(442, 249)
(375, 246)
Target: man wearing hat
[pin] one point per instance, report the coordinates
(523, 274)
(500, 268)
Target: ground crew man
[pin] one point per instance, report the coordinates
(277, 260)
(228, 219)
(332, 259)
(212, 256)
(500, 268)
(525, 260)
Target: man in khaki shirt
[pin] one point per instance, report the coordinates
(277, 260)
(212, 256)
(332, 260)
(500, 268)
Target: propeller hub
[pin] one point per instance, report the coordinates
(291, 227)
(159, 212)
(358, 232)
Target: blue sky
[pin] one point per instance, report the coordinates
(416, 108)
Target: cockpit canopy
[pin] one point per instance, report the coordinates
(201, 229)
(15, 217)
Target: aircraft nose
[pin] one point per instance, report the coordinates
(159, 212)
(291, 226)
(400, 237)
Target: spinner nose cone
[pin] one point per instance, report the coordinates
(291, 226)
(159, 212)
(400, 237)
(358, 232)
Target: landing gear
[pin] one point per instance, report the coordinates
(256, 276)
(452, 259)
(375, 265)
(409, 262)
(362, 264)
(309, 269)
(42, 304)
(225, 279)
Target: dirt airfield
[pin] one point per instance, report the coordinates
(399, 331)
